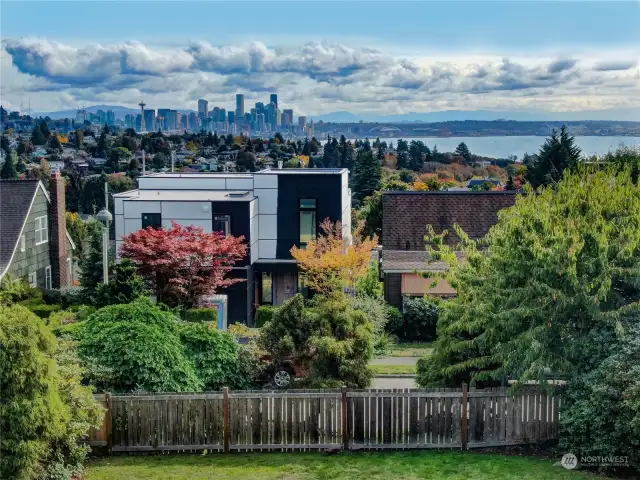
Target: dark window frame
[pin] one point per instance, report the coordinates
(301, 209)
(149, 222)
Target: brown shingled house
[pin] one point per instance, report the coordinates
(405, 216)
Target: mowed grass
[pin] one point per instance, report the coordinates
(393, 369)
(433, 465)
(410, 350)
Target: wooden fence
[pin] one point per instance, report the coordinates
(297, 420)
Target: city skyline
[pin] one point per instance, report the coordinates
(390, 58)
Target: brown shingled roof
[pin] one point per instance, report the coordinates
(407, 214)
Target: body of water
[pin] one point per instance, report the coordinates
(502, 147)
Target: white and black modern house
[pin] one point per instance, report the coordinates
(273, 209)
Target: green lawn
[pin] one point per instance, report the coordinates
(410, 350)
(392, 369)
(353, 466)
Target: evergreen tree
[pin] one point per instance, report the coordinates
(558, 154)
(366, 145)
(415, 153)
(125, 285)
(464, 152)
(306, 149)
(510, 185)
(91, 263)
(20, 166)
(79, 138)
(215, 140)
(331, 156)
(54, 143)
(8, 170)
(229, 140)
(436, 156)
(380, 154)
(403, 160)
(44, 128)
(37, 138)
(552, 290)
(366, 176)
(159, 161)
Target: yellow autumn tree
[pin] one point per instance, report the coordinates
(330, 263)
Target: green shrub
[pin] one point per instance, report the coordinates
(394, 323)
(139, 345)
(370, 285)
(213, 354)
(334, 339)
(375, 308)
(600, 414)
(14, 290)
(419, 320)
(125, 285)
(44, 411)
(71, 331)
(65, 297)
(204, 315)
(62, 317)
(43, 310)
(264, 314)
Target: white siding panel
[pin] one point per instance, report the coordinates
(254, 228)
(239, 184)
(117, 206)
(267, 248)
(254, 252)
(267, 201)
(118, 245)
(132, 225)
(135, 208)
(187, 210)
(177, 183)
(268, 227)
(119, 224)
(253, 208)
(204, 223)
(262, 180)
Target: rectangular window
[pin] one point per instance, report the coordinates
(222, 223)
(47, 277)
(307, 220)
(267, 289)
(42, 230)
(33, 279)
(153, 220)
(23, 243)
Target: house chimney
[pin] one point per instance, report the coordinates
(58, 239)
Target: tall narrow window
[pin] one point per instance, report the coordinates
(222, 223)
(42, 230)
(266, 298)
(23, 243)
(307, 220)
(153, 220)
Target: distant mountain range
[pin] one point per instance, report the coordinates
(619, 114)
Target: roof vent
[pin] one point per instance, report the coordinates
(237, 194)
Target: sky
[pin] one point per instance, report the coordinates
(365, 57)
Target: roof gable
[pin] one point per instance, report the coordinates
(16, 199)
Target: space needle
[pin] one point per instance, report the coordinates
(143, 127)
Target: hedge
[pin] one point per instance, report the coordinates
(264, 315)
(204, 315)
(43, 311)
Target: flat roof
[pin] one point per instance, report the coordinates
(304, 171)
(198, 175)
(188, 195)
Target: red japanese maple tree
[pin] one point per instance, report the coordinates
(182, 263)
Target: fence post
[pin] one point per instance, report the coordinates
(226, 420)
(345, 420)
(464, 428)
(108, 423)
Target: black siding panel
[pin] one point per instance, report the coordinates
(240, 222)
(237, 295)
(326, 189)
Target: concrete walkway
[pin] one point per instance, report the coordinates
(394, 361)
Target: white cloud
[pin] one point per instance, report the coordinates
(311, 78)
